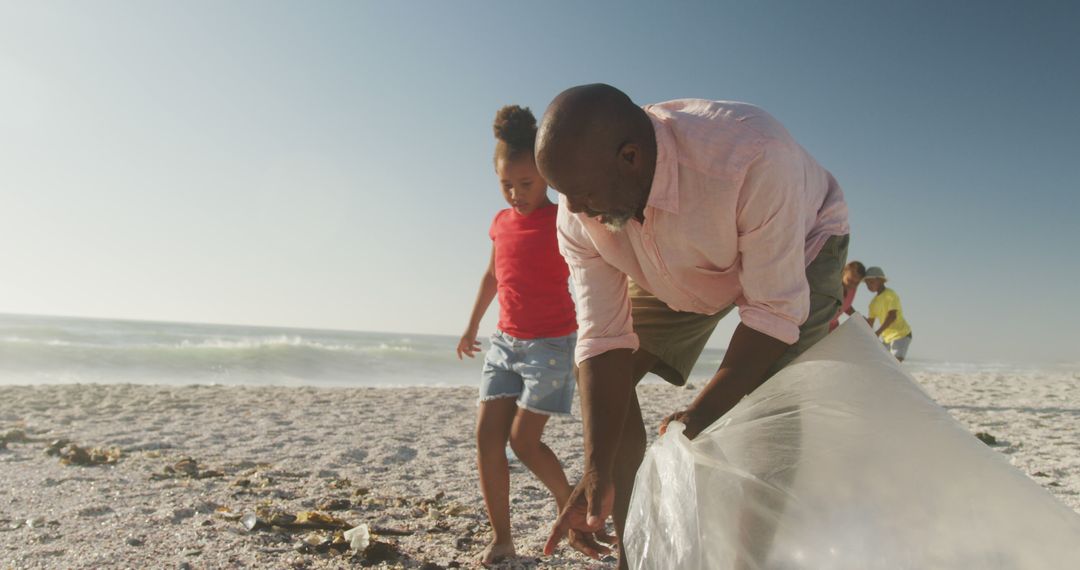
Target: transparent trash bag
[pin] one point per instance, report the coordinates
(841, 461)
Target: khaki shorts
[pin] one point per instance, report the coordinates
(677, 338)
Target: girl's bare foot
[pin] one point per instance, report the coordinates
(497, 552)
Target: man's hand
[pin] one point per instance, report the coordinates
(468, 345)
(584, 516)
(749, 356)
(695, 421)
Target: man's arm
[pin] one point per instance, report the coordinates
(775, 293)
(605, 383)
(749, 357)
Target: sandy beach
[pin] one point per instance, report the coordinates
(400, 460)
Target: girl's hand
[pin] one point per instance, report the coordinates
(468, 345)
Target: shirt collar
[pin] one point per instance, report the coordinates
(664, 193)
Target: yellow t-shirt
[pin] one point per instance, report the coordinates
(880, 306)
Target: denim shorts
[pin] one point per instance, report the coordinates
(539, 372)
(899, 347)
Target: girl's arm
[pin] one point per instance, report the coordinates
(889, 318)
(850, 309)
(468, 345)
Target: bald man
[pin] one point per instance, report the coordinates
(670, 216)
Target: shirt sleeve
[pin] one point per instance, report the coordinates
(772, 245)
(494, 225)
(890, 301)
(603, 303)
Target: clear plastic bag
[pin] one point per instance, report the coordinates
(841, 461)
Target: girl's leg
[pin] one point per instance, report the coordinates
(493, 423)
(538, 457)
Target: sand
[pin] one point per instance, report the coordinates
(403, 458)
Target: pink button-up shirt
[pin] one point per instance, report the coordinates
(736, 212)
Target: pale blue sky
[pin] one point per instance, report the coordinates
(329, 164)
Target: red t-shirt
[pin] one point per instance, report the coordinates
(534, 294)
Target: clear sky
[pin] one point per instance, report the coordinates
(328, 164)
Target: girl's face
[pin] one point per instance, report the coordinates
(522, 186)
(851, 278)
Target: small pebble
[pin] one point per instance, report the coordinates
(132, 541)
(334, 504)
(15, 436)
(381, 552)
(181, 514)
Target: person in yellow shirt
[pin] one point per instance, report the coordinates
(894, 331)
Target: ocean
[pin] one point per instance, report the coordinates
(52, 350)
(37, 349)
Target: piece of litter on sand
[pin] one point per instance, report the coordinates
(252, 522)
(359, 537)
(71, 454)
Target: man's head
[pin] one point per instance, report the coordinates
(598, 148)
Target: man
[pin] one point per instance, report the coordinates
(671, 216)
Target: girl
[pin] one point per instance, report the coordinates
(852, 276)
(529, 371)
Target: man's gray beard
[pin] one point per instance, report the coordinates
(616, 224)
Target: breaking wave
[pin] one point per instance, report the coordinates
(51, 349)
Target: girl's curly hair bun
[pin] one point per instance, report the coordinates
(515, 127)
